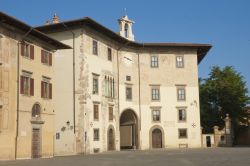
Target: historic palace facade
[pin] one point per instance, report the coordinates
(109, 91)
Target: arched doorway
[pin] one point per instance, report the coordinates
(36, 123)
(156, 138)
(111, 139)
(128, 130)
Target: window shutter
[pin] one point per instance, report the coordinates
(31, 86)
(31, 52)
(42, 56)
(21, 85)
(50, 59)
(50, 91)
(42, 90)
(22, 48)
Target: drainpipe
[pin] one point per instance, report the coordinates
(73, 37)
(139, 75)
(18, 70)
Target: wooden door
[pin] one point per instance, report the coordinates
(35, 149)
(111, 141)
(156, 138)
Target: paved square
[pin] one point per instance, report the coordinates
(169, 157)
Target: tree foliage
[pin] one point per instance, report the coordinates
(223, 92)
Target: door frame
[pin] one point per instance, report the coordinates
(162, 135)
(40, 141)
(113, 138)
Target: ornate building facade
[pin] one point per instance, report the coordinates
(115, 93)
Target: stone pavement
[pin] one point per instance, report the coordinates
(168, 157)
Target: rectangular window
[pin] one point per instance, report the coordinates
(154, 61)
(27, 50)
(46, 88)
(96, 112)
(128, 93)
(156, 115)
(179, 61)
(109, 54)
(111, 116)
(95, 84)
(183, 133)
(96, 134)
(95, 47)
(181, 94)
(109, 83)
(128, 78)
(182, 115)
(46, 57)
(27, 85)
(155, 93)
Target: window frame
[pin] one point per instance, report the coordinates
(180, 64)
(154, 116)
(179, 133)
(95, 47)
(110, 58)
(94, 134)
(95, 85)
(46, 57)
(46, 88)
(131, 93)
(26, 78)
(157, 95)
(154, 61)
(96, 105)
(178, 114)
(181, 96)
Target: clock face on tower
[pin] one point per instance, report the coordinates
(127, 60)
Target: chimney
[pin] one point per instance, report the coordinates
(55, 19)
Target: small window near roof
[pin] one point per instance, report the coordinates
(154, 61)
(109, 54)
(95, 47)
(179, 61)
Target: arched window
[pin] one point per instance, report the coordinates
(126, 30)
(36, 111)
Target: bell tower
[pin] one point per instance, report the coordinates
(125, 25)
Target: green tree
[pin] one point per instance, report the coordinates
(223, 92)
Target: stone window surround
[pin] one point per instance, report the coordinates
(155, 86)
(181, 108)
(153, 108)
(182, 137)
(154, 61)
(180, 87)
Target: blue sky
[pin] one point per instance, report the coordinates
(224, 24)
